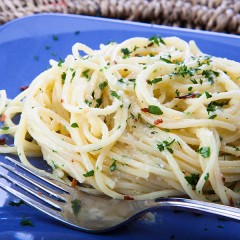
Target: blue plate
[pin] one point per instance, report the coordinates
(26, 45)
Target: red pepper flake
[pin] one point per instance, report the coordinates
(74, 183)
(231, 202)
(2, 141)
(158, 121)
(126, 197)
(22, 88)
(61, 100)
(144, 110)
(2, 117)
(189, 95)
(150, 44)
(223, 179)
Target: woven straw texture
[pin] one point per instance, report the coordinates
(213, 15)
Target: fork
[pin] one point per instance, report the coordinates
(89, 212)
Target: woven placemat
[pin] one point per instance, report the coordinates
(213, 15)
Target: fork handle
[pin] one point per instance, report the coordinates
(200, 207)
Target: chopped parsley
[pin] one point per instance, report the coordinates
(63, 77)
(89, 103)
(194, 81)
(154, 110)
(26, 222)
(89, 174)
(99, 102)
(114, 94)
(161, 146)
(213, 116)
(165, 60)
(85, 73)
(212, 106)
(209, 74)
(192, 179)
(177, 93)
(121, 80)
(183, 71)
(134, 82)
(204, 151)
(206, 177)
(113, 167)
(55, 38)
(16, 204)
(4, 128)
(155, 80)
(157, 40)
(103, 85)
(208, 95)
(60, 62)
(36, 58)
(126, 53)
(236, 148)
(76, 206)
(206, 61)
(74, 125)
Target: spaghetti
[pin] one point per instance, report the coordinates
(143, 119)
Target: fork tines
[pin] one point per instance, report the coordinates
(52, 198)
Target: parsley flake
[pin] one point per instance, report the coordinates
(154, 110)
(16, 204)
(165, 60)
(204, 151)
(192, 179)
(103, 85)
(36, 58)
(55, 38)
(113, 167)
(76, 206)
(121, 80)
(126, 53)
(63, 77)
(85, 73)
(114, 94)
(209, 74)
(4, 128)
(157, 40)
(89, 174)
(213, 116)
(208, 95)
(212, 106)
(60, 62)
(89, 103)
(206, 177)
(166, 144)
(155, 80)
(74, 125)
(26, 222)
(99, 102)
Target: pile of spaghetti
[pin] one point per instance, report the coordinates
(143, 119)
